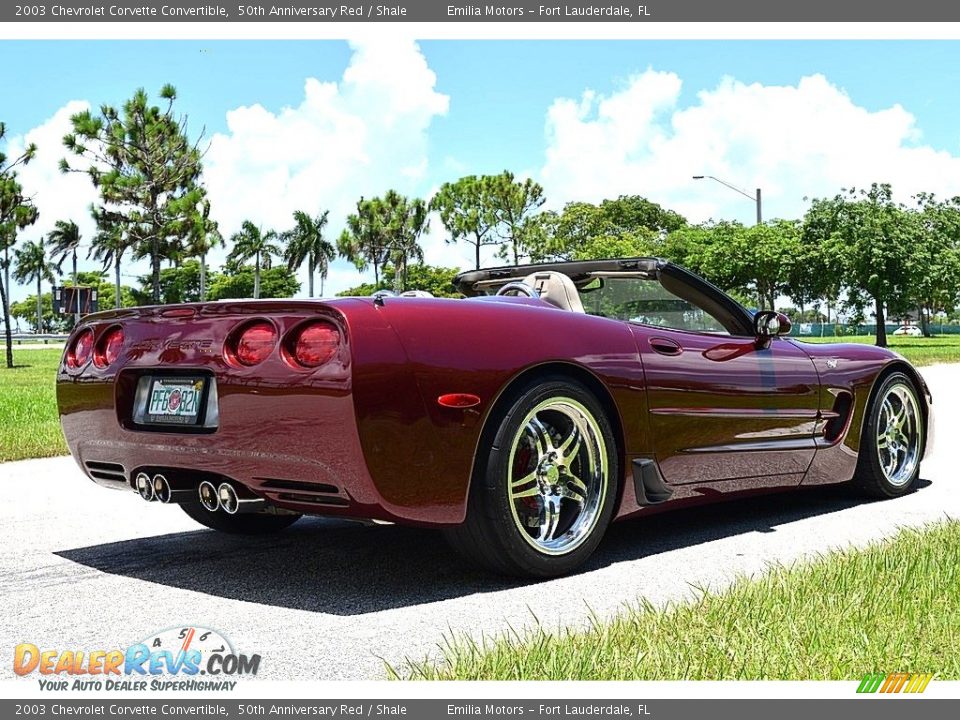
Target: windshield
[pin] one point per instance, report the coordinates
(645, 301)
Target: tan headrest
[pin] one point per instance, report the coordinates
(557, 289)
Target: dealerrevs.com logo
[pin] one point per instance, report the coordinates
(180, 658)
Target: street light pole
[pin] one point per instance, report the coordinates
(757, 199)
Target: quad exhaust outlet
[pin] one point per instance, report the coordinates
(214, 498)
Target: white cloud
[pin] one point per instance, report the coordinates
(58, 196)
(809, 140)
(356, 137)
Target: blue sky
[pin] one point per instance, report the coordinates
(500, 90)
(482, 106)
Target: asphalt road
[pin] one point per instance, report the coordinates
(88, 568)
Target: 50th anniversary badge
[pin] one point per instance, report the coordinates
(177, 658)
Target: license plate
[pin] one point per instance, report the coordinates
(175, 400)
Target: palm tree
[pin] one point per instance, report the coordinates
(408, 221)
(252, 242)
(108, 247)
(364, 241)
(203, 236)
(305, 242)
(64, 240)
(32, 264)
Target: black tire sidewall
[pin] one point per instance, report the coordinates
(495, 496)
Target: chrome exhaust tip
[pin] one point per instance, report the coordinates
(161, 488)
(145, 487)
(209, 496)
(229, 502)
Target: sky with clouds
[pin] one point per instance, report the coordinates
(315, 125)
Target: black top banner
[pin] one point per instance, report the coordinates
(499, 12)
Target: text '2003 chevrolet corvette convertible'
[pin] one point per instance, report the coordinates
(521, 420)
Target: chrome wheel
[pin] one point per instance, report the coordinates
(899, 434)
(558, 475)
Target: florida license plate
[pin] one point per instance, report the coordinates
(175, 400)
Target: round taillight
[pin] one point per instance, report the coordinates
(255, 343)
(315, 344)
(79, 353)
(108, 349)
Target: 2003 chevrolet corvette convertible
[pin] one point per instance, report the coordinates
(521, 420)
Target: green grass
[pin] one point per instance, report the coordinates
(29, 425)
(919, 351)
(893, 606)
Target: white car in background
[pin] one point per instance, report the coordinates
(908, 331)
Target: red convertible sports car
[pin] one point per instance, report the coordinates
(521, 420)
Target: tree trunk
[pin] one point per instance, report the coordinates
(322, 278)
(400, 269)
(155, 268)
(881, 324)
(203, 277)
(256, 277)
(116, 288)
(310, 276)
(8, 331)
(76, 288)
(478, 253)
(39, 306)
(924, 321)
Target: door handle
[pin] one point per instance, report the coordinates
(665, 347)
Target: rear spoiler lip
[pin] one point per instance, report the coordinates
(221, 307)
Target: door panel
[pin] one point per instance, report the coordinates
(723, 408)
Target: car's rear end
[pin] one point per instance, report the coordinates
(250, 399)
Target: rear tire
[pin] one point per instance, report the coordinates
(544, 485)
(892, 441)
(240, 524)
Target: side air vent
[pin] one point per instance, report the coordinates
(331, 500)
(106, 471)
(271, 484)
(841, 414)
(298, 491)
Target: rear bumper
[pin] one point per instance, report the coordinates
(297, 448)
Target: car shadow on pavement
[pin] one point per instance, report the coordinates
(345, 568)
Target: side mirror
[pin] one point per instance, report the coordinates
(768, 324)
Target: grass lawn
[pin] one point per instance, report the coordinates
(893, 606)
(919, 351)
(29, 425)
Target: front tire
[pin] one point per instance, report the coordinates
(240, 524)
(545, 486)
(892, 441)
